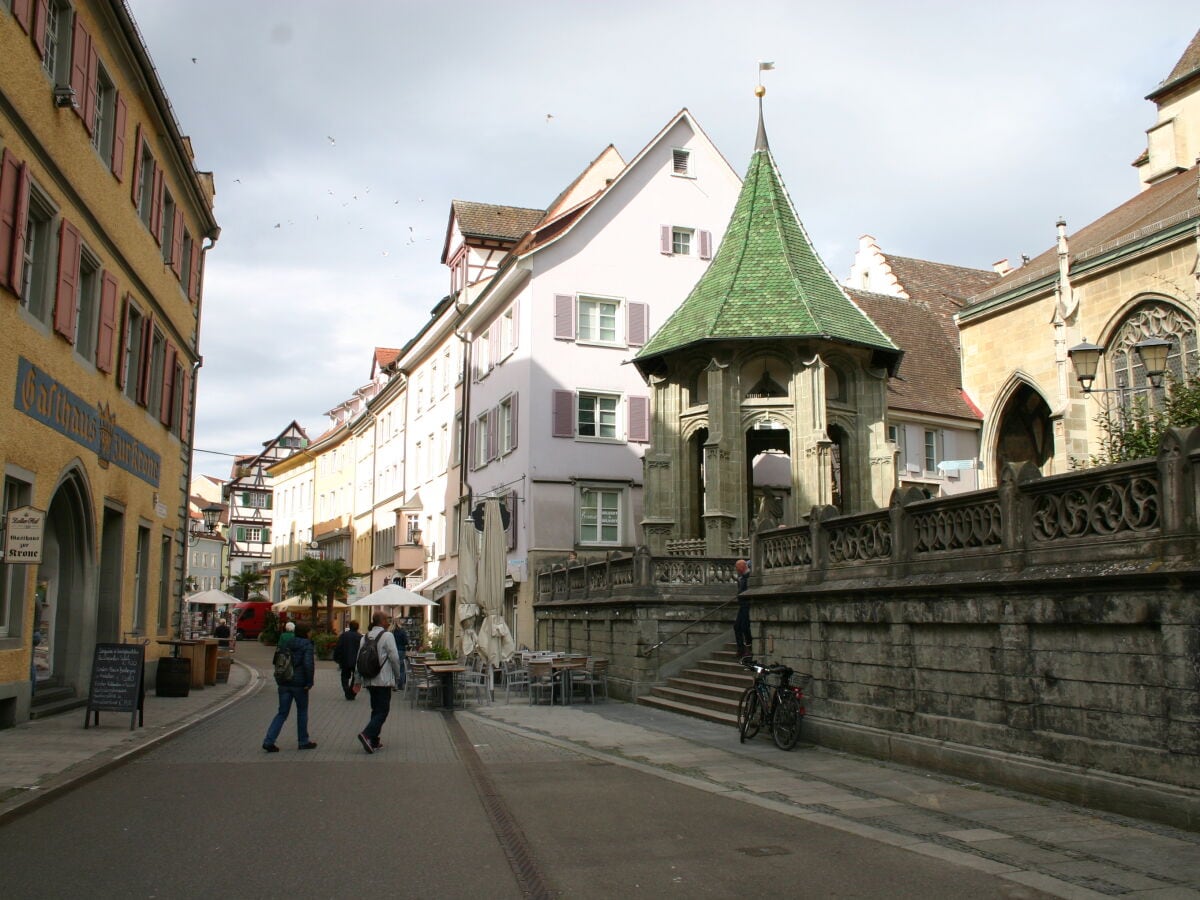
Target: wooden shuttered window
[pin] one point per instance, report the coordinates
(563, 414)
(166, 406)
(120, 119)
(88, 101)
(639, 420)
(564, 317)
(706, 245)
(80, 41)
(177, 244)
(14, 180)
(513, 421)
(147, 339)
(106, 334)
(22, 12)
(493, 433)
(70, 246)
(493, 345)
(194, 281)
(185, 415)
(637, 325)
(664, 240)
(41, 11)
(137, 166)
(156, 206)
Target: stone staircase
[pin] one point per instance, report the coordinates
(50, 700)
(710, 690)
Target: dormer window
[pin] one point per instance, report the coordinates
(681, 162)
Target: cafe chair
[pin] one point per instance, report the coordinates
(541, 680)
(516, 678)
(422, 681)
(472, 681)
(595, 676)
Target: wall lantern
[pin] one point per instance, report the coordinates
(1151, 353)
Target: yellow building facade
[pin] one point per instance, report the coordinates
(104, 224)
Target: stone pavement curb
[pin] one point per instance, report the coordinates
(57, 754)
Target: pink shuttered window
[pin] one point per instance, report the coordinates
(10, 186)
(40, 13)
(136, 181)
(108, 322)
(69, 247)
(493, 433)
(156, 206)
(21, 11)
(493, 345)
(185, 415)
(639, 420)
(80, 42)
(563, 406)
(88, 102)
(167, 404)
(638, 323)
(120, 117)
(513, 418)
(664, 240)
(706, 245)
(177, 244)
(564, 317)
(122, 350)
(194, 281)
(147, 338)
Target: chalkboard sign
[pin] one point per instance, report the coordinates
(117, 682)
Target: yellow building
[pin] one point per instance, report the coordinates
(103, 230)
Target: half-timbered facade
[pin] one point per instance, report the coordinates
(249, 494)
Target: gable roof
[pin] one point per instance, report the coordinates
(1167, 202)
(488, 221)
(766, 280)
(1188, 65)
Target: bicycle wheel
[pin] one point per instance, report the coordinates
(749, 715)
(785, 724)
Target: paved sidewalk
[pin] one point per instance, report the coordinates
(1063, 850)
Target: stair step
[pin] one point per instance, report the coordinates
(697, 700)
(55, 707)
(710, 688)
(718, 675)
(709, 715)
(51, 693)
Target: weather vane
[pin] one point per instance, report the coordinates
(759, 90)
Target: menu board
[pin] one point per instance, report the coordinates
(116, 683)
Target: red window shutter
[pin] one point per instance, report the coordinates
(108, 322)
(706, 245)
(123, 346)
(664, 234)
(21, 223)
(638, 318)
(194, 281)
(156, 206)
(493, 433)
(564, 317)
(88, 100)
(20, 11)
(80, 41)
(120, 116)
(177, 244)
(147, 338)
(514, 422)
(166, 407)
(40, 13)
(10, 178)
(137, 166)
(563, 405)
(639, 420)
(185, 425)
(69, 245)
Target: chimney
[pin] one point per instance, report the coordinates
(1002, 267)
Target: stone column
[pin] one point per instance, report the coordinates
(722, 473)
(659, 495)
(811, 474)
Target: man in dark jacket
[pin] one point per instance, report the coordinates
(296, 690)
(345, 654)
(741, 624)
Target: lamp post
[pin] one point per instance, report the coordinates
(1151, 353)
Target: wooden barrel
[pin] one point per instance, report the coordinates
(224, 660)
(174, 678)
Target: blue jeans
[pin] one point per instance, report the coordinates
(381, 705)
(288, 693)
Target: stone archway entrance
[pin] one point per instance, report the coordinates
(1025, 432)
(60, 604)
(768, 475)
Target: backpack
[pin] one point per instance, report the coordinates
(284, 668)
(369, 664)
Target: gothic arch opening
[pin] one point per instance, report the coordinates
(768, 474)
(62, 590)
(1150, 318)
(1025, 432)
(839, 460)
(693, 517)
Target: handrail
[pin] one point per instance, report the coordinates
(643, 654)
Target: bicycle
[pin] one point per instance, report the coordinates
(772, 701)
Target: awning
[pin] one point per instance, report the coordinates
(436, 586)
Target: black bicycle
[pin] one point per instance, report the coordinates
(772, 702)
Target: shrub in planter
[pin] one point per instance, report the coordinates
(324, 642)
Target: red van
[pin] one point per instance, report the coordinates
(250, 618)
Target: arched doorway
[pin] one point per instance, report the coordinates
(768, 474)
(839, 495)
(1025, 433)
(60, 622)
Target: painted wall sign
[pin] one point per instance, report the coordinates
(23, 530)
(41, 397)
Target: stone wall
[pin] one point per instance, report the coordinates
(1044, 634)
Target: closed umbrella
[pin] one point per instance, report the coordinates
(468, 609)
(495, 640)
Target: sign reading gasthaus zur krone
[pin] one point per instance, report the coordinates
(23, 529)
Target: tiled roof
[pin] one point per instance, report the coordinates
(485, 220)
(956, 284)
(766, 280)
(1170, 199)
(929, 379)
(1189, 64)
(385, 356)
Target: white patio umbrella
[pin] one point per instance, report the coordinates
(212, 598)
(393, 595)
(304, 603)
(468, 609)
(495, 640)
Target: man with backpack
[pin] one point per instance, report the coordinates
(379, 669)
(294, 669)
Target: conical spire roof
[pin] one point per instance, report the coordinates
(766, 281)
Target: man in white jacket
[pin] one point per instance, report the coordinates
(380, 686)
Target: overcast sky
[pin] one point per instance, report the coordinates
(339, 132)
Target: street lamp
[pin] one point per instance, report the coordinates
(414, 534)
(211, 514)
(1151, 353)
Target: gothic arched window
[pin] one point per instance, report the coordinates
(1158, 319)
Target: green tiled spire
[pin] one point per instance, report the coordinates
(766, 281)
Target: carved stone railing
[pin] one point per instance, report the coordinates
(630, 574)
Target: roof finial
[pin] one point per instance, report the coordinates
(760, 142)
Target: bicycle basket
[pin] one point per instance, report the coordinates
(773, 679)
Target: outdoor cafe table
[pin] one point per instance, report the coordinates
(446, 671)
(566, 667)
